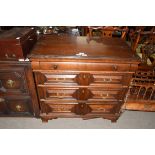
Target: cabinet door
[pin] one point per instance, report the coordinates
(13, 81)
(15, 106)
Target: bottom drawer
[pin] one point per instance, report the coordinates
(15, 106)
(79, 109)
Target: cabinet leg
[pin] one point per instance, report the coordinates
(44, 120)
(113, 120)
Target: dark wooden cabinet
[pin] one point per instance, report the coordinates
(17, 90)
(82, 77)
(18, 95)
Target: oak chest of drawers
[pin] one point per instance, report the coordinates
(82, 77)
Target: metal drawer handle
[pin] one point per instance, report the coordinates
(105, 95)
(2, 99)
(13, 55)
(6, 55)
(18, 107)
(107, 80)
(10, 83)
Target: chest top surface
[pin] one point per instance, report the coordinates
(80, 47)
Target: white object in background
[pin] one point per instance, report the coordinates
(82, 54)
(24, 59)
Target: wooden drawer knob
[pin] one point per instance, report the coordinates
(115, 68)
(55, 67)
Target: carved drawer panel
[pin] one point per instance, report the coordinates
(15, 106)
(97, 94)
(77, 108)
(81, 78)
(13, 81)
(79, 66)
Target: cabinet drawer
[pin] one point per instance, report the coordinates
(15, 106)
(82, 78)
(78, 66)
(13, 81)
(97, 94)
(80, 109)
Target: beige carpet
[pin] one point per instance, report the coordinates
(130, 119)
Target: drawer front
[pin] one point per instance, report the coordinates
(82, 78)
(13, 81)
(15, 106)
(97, 94)
(78, 66)
(78, 109)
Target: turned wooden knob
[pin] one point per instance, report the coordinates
(55, 67)
(115, 68)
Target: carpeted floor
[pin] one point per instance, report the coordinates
(129, 120)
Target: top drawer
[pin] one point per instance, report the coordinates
(79, 66)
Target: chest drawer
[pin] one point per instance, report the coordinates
(82, 78)
(79, 66)
(13, 81)
(15, 106)
(78, 109)
(95, 94)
